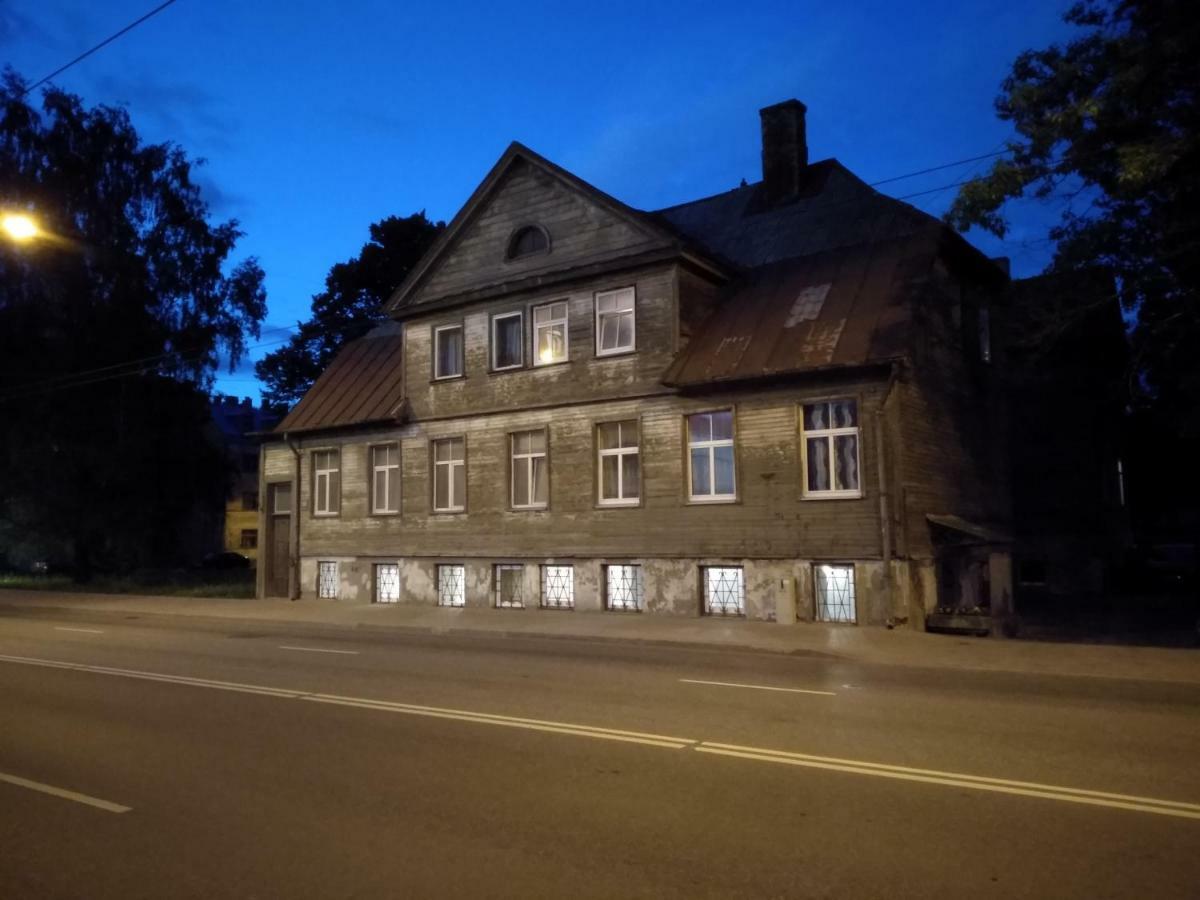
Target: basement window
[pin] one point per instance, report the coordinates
(558, 587)
(387, 583)
(623, 589)
(327, 580)
(724, 591)
(452, 585)
(508, 581)
(834, 585)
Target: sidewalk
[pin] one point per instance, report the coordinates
(863, 645)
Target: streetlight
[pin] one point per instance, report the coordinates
(19, 227)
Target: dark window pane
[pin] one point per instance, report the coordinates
(507, 334)
(608, 478)
(845, 413)
(846, 449)
(700, 427)
(722, 426)
(723, 469)
(701, 476)
(630, 476)
(817, 451)
(816, 416)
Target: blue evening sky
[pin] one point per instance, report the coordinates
(318, 118)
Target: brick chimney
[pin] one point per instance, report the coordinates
(784, 149)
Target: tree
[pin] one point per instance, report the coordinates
(111, 326)
(350, 305)
(1112, 120)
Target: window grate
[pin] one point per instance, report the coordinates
(452, 585)
(327, 580)
(558, 587)
(724, 591)
(623, 588)
(508, 585)
(835, 594)
(387, 583)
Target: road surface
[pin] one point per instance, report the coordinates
(157, 758)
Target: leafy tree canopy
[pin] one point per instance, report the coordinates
(111, 326)
(350, 305)
(1113, 118)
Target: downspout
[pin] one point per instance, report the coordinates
(294, 549)
(885, 519)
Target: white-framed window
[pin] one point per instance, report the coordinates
(448, 351)
(508, 341)
(450, 475)
(550, 333)
(724, 591)
(387, 583)
(452, 585)
(530, 474)
(623, 587)
(508, 585)
(327, 580)
(834, 588)
(830, 449)
(326, 482)
(711, 474)
(615, 325)
(619, 474)
(385, 479)
(558, 587)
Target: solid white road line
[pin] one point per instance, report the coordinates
(1153, 805)
(65, 794)
(958, 779)
(758, 687)
(84, 630)
(320, 650)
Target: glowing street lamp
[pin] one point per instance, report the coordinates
(19, 227)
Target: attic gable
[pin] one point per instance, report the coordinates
(581, 226)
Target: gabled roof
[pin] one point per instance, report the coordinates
(843, 307)
(363, 385)
(662, 232)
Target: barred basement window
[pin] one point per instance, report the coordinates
(724, 591)
(623, 587)
(327, 580)
(508, 583)
(835, 593)
(452, 585)
(387, 583)
(558, 587)
(830, 449)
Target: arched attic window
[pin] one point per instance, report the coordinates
(528, 241)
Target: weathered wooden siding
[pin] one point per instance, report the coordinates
(768, 520)
(581, 232)
(951, 439)
(584, 377)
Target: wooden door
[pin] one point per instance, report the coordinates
(280, 515)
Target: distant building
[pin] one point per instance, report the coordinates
(239, 422)
(780, 396)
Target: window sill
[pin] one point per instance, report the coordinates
(545, 507)
(611, 354)
(833, 495)
(384, 514)
(325, 515)
(618, 504)
(709, 501)
(439, 379)
(462, 511)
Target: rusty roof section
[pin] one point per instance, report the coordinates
(363, 385)
(843, 307)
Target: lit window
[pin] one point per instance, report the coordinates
(448, 351)
(550, 333)
(614, 322)
(620, 474)
(508, 582)
(830, 449)
(387, 583)
(452, 585)
(710, 456)
(623, 587)
(385, 479)
(527, 241)
(449, 475)
(249, 538)
(835, 593)
(530, 476)
(326, 483)
(558, 587)
(724, 591)
(327, 580)
(508, 343)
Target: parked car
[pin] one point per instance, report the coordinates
(225, 560)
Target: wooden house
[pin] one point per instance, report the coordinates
(777, 398)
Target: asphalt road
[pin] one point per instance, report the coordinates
(203, 760)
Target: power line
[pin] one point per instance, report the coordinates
(104, 43)
(949, 165)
